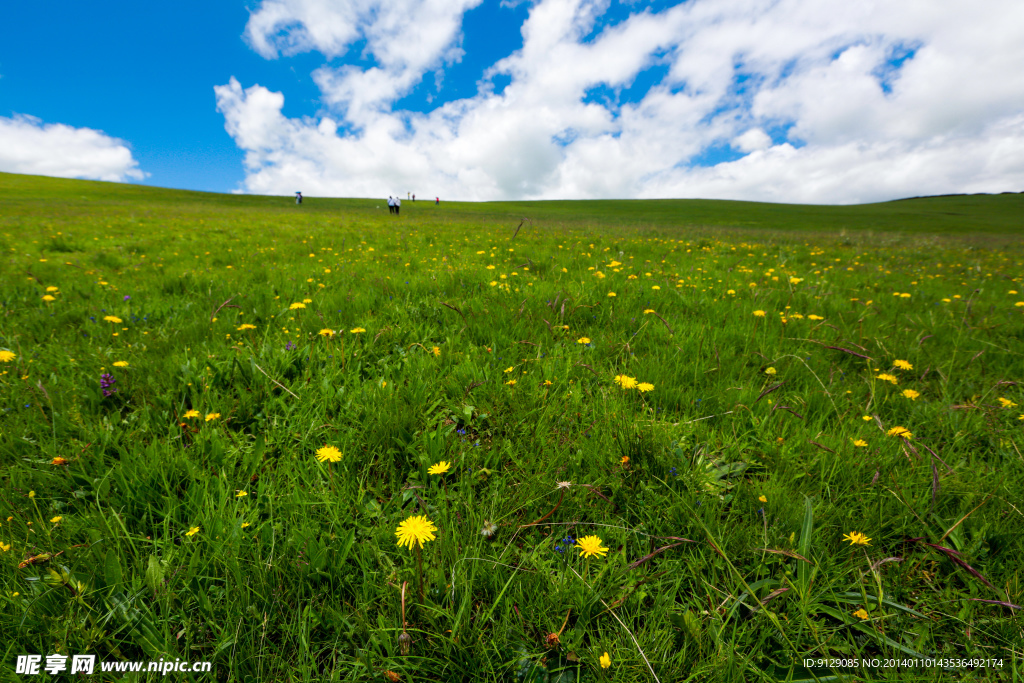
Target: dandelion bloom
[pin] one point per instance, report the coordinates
(644, 386)
(655, 287)
(121, 364)
(648, 310)
(590, 545)
(7, 356)
(193, 531)
(911, 394)
(625, 382)
(56, 520)
(246, 326)
(583, 340)
(547, 383)
(357, 330)
(307, 301)
(795, 280)
(1006, 403)
(415, 529)
(887, 377)
(860, 443)
(59, 461)
(112, 319)
(511, 382)
(769, 371)
(241, 494)
(903, 365)
(856, 538)
(758, 314)
(328, 454)
(440, 468)
(436, 350)
(866, 418)
(624, 460)
(48, 298)
(605, 660)
(5, 547)
(612, 294)
(296, 306)
(326, 332)
(861, 614)
(51, 288)
(190, 414)
(509, 369)
(212, 416)
(762, 499)
(900, 431)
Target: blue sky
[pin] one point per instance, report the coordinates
(795, 100)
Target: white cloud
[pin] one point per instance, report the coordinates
(803, 90)
(27, 145)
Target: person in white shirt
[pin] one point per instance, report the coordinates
(398, 205)
(391, 204)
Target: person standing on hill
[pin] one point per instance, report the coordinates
(437, 200)
(391, 204)
(398, 205)
(414, 197)
(298, 197)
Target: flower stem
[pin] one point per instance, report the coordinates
(419, 571)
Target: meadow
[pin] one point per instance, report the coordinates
(519, 442)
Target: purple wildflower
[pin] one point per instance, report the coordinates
(126, 297)
(106, 382)
(289, 347)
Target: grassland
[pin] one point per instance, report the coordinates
(728, 392)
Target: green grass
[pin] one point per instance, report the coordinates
(293, 573)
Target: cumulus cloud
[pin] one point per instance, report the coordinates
(27, 145)
(803, 100)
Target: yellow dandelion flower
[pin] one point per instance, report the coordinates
(59, 461)
(326, 333)
(583, 340)
(867, 418)
(860, 443)
(887, 377)
(296, 306)
(861, 614)
(56, 520)
(212, 416)
(357, 330)
(511, 382)
(911, 394)
(758, 314)
(902, 364)
(612, 294)
(328, 454)
(5, 547)
(192, 531)
(856, 538)
(762, 499)
(190, 414)
(436, 350)
(241, 494)
(415, 530)
(246, 326)
(625, 381)
(440, 468)
(590, 546)
(48, 298)
(769, 371)
(644, 387)
(900, 431)
(605, 661)
(7, 356)
(51, 288)
(648, 310)
(1006, 403)
(112, 319)
(121, 364)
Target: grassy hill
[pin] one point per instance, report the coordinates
(961, 215)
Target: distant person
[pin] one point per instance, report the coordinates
(437, 200)
(414, 197)
(408, 195)
(391, 204)
(298, 197)
(398, 205)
